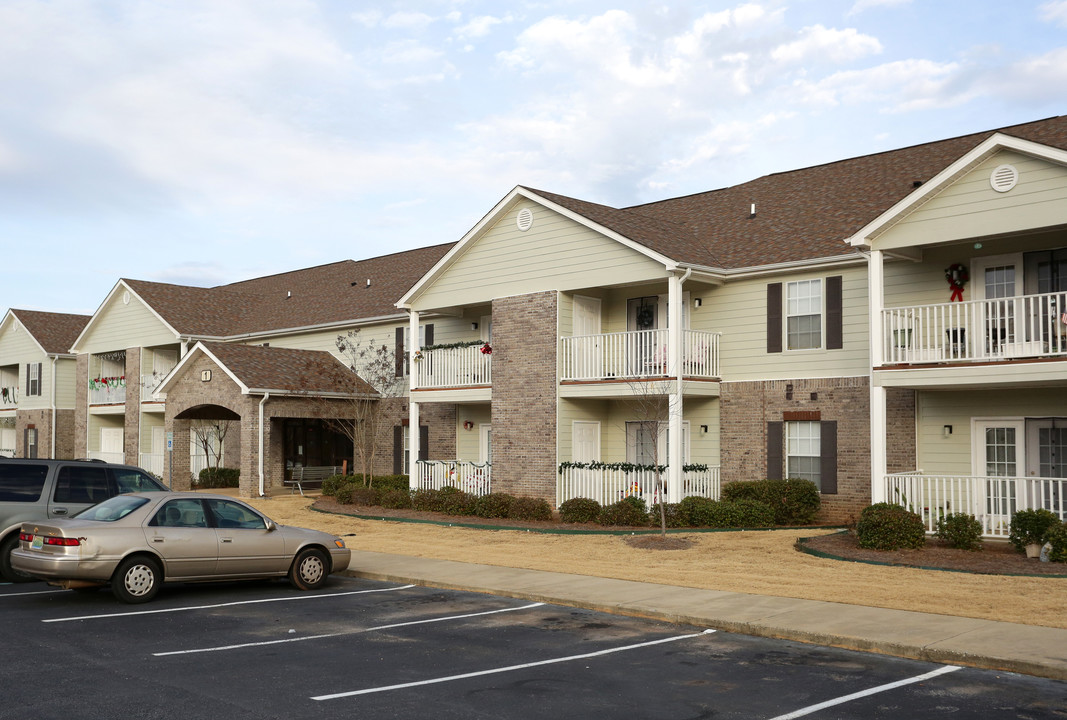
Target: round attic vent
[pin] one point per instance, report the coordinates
(1004, 178)
(524, 220)
(126, 298)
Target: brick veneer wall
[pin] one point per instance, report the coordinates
(524, 395)
(41, 421)
(747, 407)
(900, 430)
(81, 406)
(131, 440)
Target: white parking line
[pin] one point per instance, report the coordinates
(510, 668)
(229, 604)
(865, 693)
(35, 592)
(347, 632)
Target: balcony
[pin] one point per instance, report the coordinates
(9, 396)
(637, 354)
(471, 477)
(992, 500)
(1031, 326)
(454, 367)
(149, 383)
(106, 393)
(610, 482)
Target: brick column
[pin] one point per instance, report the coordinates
(81, 406)
(131, 439)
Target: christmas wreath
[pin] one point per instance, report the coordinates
(957, 277)
(644, 317)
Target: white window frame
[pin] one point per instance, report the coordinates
(33, 373)
(789, 314)
(792, 433)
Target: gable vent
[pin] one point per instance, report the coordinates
(1004, 178)
(525, 219)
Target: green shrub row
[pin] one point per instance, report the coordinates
(219, 478)
(960, 530)
(447, 500)
(793, 501)
(379, 482)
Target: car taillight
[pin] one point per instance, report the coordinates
(65, 542)
(26, 537)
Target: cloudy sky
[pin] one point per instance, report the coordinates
(208, 141)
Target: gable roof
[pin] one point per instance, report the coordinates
(54, 332)
(258, 369)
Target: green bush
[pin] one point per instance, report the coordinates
(330, 484)
(1057, 537)
(391, 482)
(739, 514)
(885, 526)
(528, 508)
(672, 514)
(423, 499)
(360, 495)
(219, 478)
(395, 499)
(493, 505)
(1031, 526)
(695, 511)
(794, 501)
(453, 501)
(630, 511)
(343, 494)
(579, 510)
(960, 530)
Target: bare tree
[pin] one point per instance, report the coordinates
(648, 407)
(209, 435)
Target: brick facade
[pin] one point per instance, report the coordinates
(81, 406)
(524, 395)
(131, 441)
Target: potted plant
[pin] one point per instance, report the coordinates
(1029, 528)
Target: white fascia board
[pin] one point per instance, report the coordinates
(308, 393)
(911, 202)
(15, 319)
(499, 209)
(852, 258)
(107, 299)
(281, 332)
(180, 368)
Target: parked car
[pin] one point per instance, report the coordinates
(138, 541)
(32, 489)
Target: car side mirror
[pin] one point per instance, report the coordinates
(271, 527)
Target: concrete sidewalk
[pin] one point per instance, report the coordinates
(987, 644)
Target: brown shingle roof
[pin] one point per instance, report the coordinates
(801, 214)
(268, 368)
(56, 332)
(337, 292)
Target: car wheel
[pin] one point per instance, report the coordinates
(310, 569)
(9, 573)
(137, 579)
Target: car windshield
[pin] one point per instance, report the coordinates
(111, 510)
(133, 480)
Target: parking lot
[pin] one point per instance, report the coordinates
(373, 649)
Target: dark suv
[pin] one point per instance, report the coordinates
(33, 490)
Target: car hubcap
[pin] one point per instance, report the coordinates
(139, 580)
(311, 569)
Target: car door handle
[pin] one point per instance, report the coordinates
(59, 511)
(157, 539)
(230, 540)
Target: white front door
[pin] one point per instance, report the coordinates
(585, 436)
(999, 451)
(485, 442)
(587, 359)
(996, 277)
(111, 443)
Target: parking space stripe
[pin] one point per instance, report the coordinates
(35, 592)
(865, 693)
(347, 632)
(219, 605)
(510, 668)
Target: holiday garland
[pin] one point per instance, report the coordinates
(107, 383)
(627, 467)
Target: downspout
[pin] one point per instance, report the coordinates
(675, 459)
(262, 482)
(53, 400)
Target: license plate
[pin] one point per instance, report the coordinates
(37, 543)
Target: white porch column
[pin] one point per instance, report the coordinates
(413, 407)
(876, 301)
(674, 402)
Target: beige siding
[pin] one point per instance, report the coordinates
(467, 441)
(66, 371)
(971, 208)
(17, 346)
(739, 311)
(569, 412)
(556, 253)
(118, 326)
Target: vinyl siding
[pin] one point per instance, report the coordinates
(17, 346)
(65, 380)
(556, 253)
(970, 207)
(467, 441)
(118, 326)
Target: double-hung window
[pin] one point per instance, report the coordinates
(803, 450)
(33, 379)
(804, 314)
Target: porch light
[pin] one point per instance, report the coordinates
(474, 326)
(698, 302)
(947, 430)
(704, 429)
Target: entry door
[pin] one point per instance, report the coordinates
(585, 448)
(1046, 457)
(999, 451)
(485, 442)
(587, 358)
(111, 442)
(1000, 278)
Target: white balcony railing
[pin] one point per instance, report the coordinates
(8, 452)
(9, 396)
(1024, 326)
(111, 457)
(471, 477)
(607, 485)
(152, 462)
(107, 395)
(992, 500)
(637, 354)
(149, 383)
(453, 367)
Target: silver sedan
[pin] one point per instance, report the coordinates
(138, 541)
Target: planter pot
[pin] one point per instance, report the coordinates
(1033, 550)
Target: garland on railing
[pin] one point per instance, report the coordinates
(107, 383)
(8, 394)
(452, 346)
(627, 467)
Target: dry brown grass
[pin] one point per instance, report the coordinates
(763, 563)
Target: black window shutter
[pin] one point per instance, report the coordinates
(40, 378)
(398, 450)
(28, 379)
(398, 352)
(429, 334)
(424, 442)
(774, 318)
(834, 302)
(775, 448)
(828, 457)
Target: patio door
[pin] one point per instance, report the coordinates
(586, 359)
(996, 278)
(585, 448)
(111, 443)
(485, 442)
(1046, 457)
(999, 451)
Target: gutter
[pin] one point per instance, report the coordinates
(52, 393)
(262, 481)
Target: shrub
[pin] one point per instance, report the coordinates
(424, 499)
(739, 513)
(1031, 526)
(696, 511)
(493, 505)
(343, 494)
(579, 510)
(453, 501)
(629, 511)
(359, 495)
(794, 501)
(395, 499)
(885, 526)
(960, 530)
(672, 513)
(330, 484)
(1057, 537)
(391, 482)
(219, 478)
(528, 508)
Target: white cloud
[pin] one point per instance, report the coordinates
(896, 86)
(818, 42)
(862, 5)
(480, 26)
(369, 18)
(1054, 12)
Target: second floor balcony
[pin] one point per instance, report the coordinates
(637, 354)
(9, 396)
(1025, 326)
(454, 367)
(107, 391)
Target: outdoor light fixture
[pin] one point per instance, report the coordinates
(474, 326)
(947, 430)
(704, 429)
(698, 302)
(468, 425)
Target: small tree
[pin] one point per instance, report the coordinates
(648, 406)
(209, 435)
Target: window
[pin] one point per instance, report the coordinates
(31, 443)
(804, 314)
(803, 456)
(81, 484)
(22, 482)
(180, 513)
(403, 345)
(229, 514)
(33, 378)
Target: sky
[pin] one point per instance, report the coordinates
(203, 142)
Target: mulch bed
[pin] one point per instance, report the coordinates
(995, 557)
